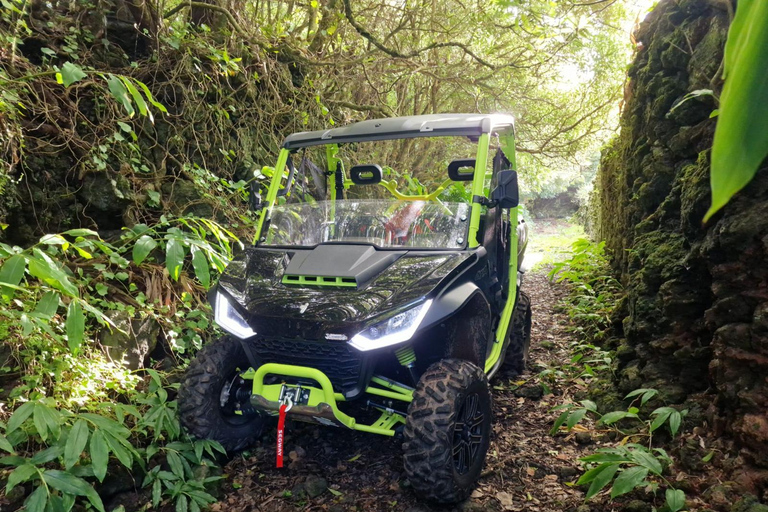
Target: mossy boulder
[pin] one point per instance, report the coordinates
(749, 503)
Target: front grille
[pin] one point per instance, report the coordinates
(340, 362)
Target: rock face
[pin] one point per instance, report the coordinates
(696, 317)
(133, 339)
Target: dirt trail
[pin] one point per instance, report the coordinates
(526, 469)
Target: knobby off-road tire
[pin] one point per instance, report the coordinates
(516, 357)
(451, 405)
(200, 410)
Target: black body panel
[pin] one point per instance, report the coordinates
(310, 325)
(292, 321)
(274, 309)
(359, 262)
(348, 369)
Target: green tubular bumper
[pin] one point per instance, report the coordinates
(321, 404)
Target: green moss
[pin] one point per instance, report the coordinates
(708, 55)
(606, 397)
(659, 253)
(749, 504)
(674, 56)
(694, 196)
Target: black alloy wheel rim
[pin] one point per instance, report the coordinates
(468, 434)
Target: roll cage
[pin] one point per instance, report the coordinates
(485, 213)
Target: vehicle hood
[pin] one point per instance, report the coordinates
(387, 281)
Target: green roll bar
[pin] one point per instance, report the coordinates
(507, 140)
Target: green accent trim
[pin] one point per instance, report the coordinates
(331, 150)
(394, 387)
(268, 392)
(507, 141)
(248, 374)
(389, 394)
(391, 186)
(323, 395)
(478, 182)
(405, 355)
(346, 282)
(274, 188)
(316, 396)
(386, 422)
(509, 307)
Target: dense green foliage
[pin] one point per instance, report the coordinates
(209, 91)
(78, 410)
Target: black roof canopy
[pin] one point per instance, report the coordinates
(434, 125)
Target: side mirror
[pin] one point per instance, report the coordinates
(506, 193)
(254, 196)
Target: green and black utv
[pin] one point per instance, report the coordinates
(372, 309)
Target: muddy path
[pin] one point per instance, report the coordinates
(334, 470)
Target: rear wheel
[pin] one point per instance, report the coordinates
(516, 357)
(448, 431)
(209, 395)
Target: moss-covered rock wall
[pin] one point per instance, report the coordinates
(74, 157)
(696, 318)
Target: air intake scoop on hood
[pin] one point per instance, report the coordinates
(338, 265)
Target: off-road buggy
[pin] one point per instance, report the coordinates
(385, 316)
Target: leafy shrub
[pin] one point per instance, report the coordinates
(68, 427)
(627, 465)
(594, 291)
(82, 445)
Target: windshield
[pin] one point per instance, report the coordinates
(381, 222)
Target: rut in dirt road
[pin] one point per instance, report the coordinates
(331, 469)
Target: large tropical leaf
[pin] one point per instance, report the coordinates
(741, 136)
(12, 273)
(174, 258)
(75, 326)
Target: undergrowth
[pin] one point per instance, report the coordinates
(72, 413)
(637, 460)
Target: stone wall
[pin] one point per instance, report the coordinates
(696, 316)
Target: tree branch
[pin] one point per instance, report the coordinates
(359, 108)
(399, 55)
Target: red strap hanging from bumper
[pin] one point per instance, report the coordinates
(280, 434)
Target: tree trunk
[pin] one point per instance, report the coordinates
(209, 17)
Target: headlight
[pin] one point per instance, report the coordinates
(397, 329)
(230, 320)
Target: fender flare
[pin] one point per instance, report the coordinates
(452, 300)
(464, 342)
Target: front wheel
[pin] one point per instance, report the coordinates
(208, 398)
(447, 431)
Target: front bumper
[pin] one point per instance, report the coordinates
(348, 369)
(320, 404)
